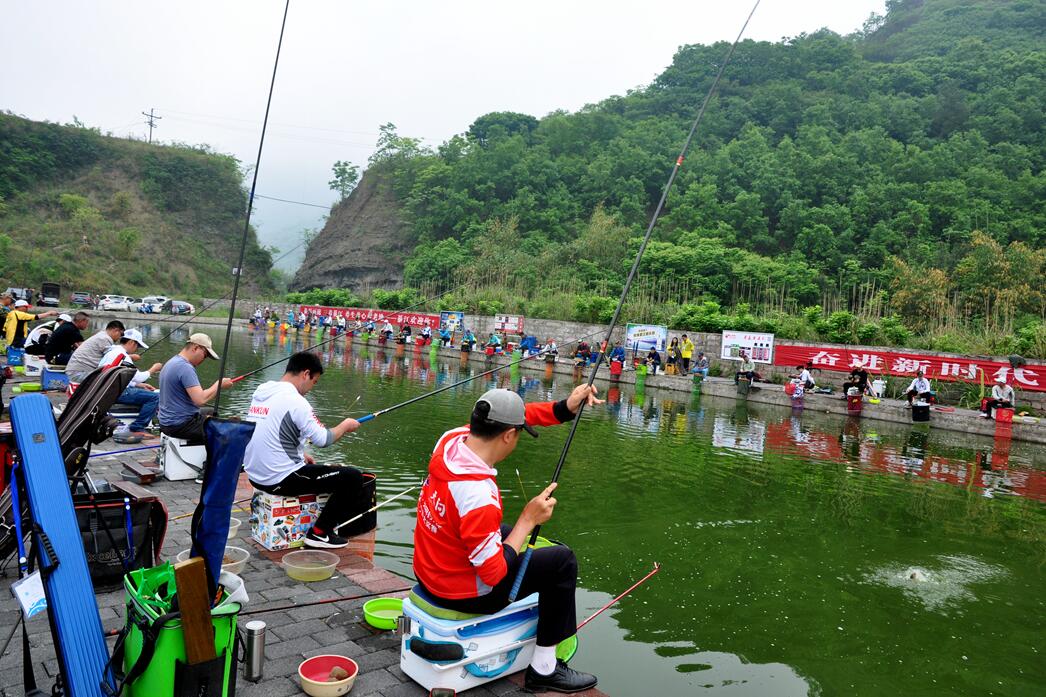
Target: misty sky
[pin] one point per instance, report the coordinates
(429, 67)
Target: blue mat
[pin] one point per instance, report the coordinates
(75, 623)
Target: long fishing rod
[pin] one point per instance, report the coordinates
(542, 352)
(250, 209)
(213, 303)
(628, 285)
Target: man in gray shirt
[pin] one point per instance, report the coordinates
(181, 395)
(86, 357)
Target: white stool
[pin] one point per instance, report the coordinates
(179, 460)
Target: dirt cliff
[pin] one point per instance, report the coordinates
(363, 245)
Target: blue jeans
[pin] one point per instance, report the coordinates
(147, 401)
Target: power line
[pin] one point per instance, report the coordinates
(300, 203)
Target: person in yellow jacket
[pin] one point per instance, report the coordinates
(686, 348)
(16, 324)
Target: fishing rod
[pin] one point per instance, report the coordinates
(637, 584)
(628, 285)
(250, 209)
(380, 412)
(376, 507)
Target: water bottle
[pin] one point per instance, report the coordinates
(254, 662)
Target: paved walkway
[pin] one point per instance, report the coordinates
(293, 634)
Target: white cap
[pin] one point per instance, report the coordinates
(65, 318)
(21, 303)
(134, 335)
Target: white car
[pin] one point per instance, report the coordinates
(151, 303)
(118, 303)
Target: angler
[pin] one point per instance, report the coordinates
(466, 560)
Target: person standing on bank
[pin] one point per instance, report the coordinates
(276, 461)
(466, 558)
(181, 398)
(686, 350)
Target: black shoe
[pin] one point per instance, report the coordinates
(327, 540)
(562, 679)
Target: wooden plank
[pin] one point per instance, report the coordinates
(190, 576)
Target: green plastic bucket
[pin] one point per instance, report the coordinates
(149, 594)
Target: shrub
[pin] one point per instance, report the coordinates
(396, 299)
(894, 331)
(595, 309)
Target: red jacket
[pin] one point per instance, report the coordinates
(457, 537)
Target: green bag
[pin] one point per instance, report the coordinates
(151, 646)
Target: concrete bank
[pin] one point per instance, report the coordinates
(959, 420)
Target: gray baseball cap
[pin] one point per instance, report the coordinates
(506, 407)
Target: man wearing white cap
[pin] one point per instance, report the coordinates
(36, 342)
(181, 396)
(466, 560)
(1003, 397)
(16, 325)
(139, 393)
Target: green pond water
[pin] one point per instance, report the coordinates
(788, 541)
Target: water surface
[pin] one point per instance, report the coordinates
(789, 542)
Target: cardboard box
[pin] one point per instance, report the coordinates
(280, 522)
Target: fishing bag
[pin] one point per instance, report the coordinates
(103, 527)
(150, 649)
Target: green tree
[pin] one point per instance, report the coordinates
(346, 176)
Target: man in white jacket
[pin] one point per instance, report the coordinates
(1002, 398)
(138, 392)
(276, 461)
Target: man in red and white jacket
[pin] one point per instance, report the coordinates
(138, 392)
(466, 558)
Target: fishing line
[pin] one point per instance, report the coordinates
(521, 487)
(376, 507)
(215, 302)
(628, 285)
(247, 221)
(380, 412)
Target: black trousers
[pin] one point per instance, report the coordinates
(912, 394)
(686, 364)
(344, 485)
(191, 430)
(551, 573)
(997, 404)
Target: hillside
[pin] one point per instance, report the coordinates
(110, 215)
(896, 171)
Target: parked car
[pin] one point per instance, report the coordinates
(180, 307)
(49, 294)
(152, 303)
(116, 303)
(134, 304)
(21, 294)
(81, 299)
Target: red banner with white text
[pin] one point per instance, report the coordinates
(946, 368)
(414, 319)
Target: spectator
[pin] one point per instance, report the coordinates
(920, 388)
(686, 349)
(137, 392)
(16, 324)
(1002, 398)
(66, 338)
(85, 358)
(672, 356)
(181, 398)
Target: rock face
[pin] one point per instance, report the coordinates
(363, 245)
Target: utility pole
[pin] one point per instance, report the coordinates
(152, 122)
